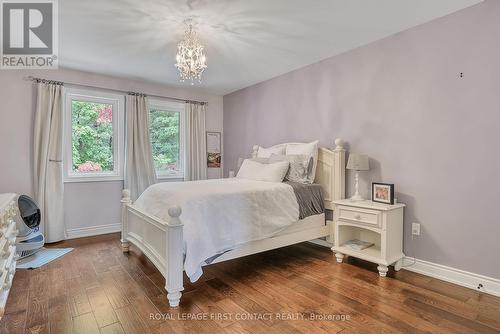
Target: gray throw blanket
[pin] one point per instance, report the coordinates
(309, 197)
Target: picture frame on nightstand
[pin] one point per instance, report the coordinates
(383, 193)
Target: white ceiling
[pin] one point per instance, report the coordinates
(247, 41)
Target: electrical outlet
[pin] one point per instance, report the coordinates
(415, 229)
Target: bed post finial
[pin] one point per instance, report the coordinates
(174, 257)
(339, 144)
(126, 196)
(255, 148)
(174, 213)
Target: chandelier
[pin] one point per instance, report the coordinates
(191, 60)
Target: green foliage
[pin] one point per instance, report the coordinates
(164, 130)
(92, 137)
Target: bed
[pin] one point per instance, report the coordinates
(154, 225)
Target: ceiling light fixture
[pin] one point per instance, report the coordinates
(191, 59)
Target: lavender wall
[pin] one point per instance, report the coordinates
(402, 101)
(87, 204)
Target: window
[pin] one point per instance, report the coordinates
(166, 123)
(93, 135)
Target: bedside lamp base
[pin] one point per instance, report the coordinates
(356, 197)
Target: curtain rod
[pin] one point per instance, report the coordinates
(31, 78)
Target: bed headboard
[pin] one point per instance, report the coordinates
(330, 171)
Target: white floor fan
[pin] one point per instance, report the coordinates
(29, 239)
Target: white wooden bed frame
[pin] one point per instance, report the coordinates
(162, 241)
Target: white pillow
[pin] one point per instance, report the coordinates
(309, 149)
(257, 171)
(263, 152)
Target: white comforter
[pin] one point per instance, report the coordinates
(221, 214)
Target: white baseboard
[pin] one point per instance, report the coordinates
(464, 278)
(460, 277)
(92, 230)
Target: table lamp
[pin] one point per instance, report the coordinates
(357, 162)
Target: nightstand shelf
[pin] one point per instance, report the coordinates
(376, 223)
(371, 254)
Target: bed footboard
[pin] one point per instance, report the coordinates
(161, 241)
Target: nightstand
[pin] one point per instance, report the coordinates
(377, 223)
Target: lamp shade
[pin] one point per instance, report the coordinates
(358, 162)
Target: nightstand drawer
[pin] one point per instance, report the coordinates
(364, 216)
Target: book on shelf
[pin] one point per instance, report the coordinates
(357, 244)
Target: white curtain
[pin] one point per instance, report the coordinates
(139, 166)
(47, 150)
(196, 152)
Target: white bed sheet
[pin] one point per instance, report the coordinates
(219, 215)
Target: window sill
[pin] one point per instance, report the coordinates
(170, 177)
(82, 179)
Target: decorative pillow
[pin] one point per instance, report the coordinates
(310, 150)
(263, 152)
(272, 172)
(300, 166)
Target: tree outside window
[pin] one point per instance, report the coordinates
(92, 137)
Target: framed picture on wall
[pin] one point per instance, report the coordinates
(214, 157)
(383, 192)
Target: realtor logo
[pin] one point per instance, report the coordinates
(29, 34)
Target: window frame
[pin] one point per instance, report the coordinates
(118, 122)
(172, 106)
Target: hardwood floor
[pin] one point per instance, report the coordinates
(97, 289)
